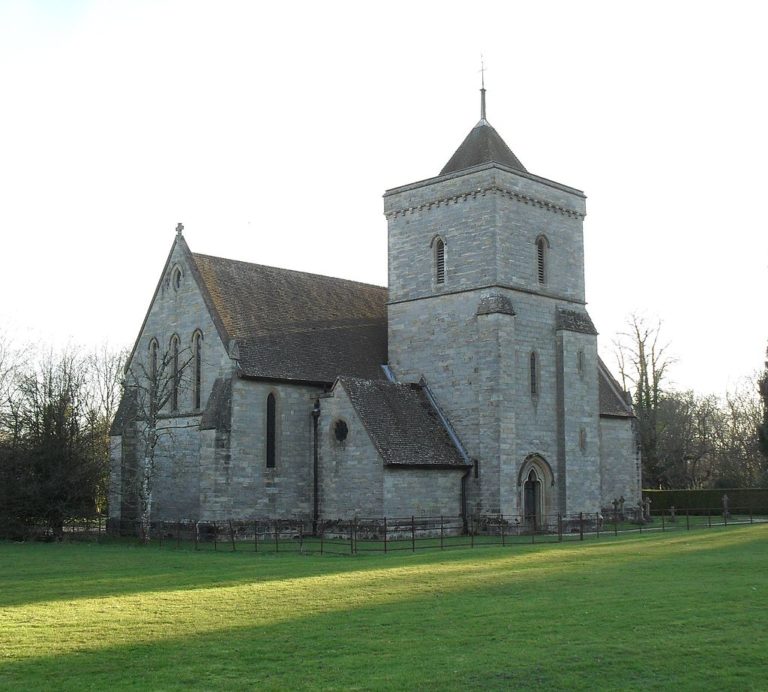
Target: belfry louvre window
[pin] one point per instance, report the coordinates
(271, 431)
(541, 246)
(440, 261)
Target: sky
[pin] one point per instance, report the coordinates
(271, 131)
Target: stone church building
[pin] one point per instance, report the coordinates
(472, 384)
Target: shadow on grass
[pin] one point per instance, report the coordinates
(652, 619)
(34, 573)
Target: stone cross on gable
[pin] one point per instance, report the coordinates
(179, 228)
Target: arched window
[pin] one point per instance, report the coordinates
(541, 258)
(271, 419)
(439, 261)
(176, 278)
(197, 355)
(175, 374)
(152, 363)
(534, 373)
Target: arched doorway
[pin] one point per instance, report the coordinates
(536, 497)
(532, 500)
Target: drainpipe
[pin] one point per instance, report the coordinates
(464, 521)
(315, 465)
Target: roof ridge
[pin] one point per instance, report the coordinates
(284, 270)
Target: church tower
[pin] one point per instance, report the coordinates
(487, 305)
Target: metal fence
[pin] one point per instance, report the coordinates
(389, 534)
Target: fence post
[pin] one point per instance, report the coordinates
(99, 538)
(178, 533)
(256, 536)
(663, 526)
(502, 529)
(598, 521)
(472, 531)
(215, 536)
(441, 532)
(688, 519)
(277, 539)
(232, 536)
(385, 535)
(750, 514)
(581, 526)
(709, 519)
(322, 532)
(725, 517)
(413, 534)
(197, 535)
(301, 536)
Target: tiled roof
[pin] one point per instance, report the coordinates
(297, 326)
(482, 145)
(401, 423)
(218, 410)
(575, 321)
(612, 401)
(495, 304)
(126, 411)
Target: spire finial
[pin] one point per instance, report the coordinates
(482, 88)
(179, 228)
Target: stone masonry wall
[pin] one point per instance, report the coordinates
(502, 422)
(180, 311)
(252, 490)
(479, 366)
(578, 404)
(489, 220)
(422, 492)
(620, 461)
(115, 482)
(351, 470)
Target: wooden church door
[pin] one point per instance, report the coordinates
(532, 500)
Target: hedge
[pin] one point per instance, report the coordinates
(740, 500)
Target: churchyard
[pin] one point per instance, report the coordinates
(679, 610)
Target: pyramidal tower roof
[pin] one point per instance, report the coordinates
(482, 145)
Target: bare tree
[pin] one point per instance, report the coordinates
(10, 362)
(153, 387)
(687, 439)
(643, 362)
(740, 462)
(106, 370)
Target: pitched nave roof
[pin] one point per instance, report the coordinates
(291, 325)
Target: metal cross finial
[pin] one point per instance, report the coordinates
(179, 228)
(482, 88)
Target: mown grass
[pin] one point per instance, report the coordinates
(683, 610)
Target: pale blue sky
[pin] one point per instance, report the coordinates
(271, 130)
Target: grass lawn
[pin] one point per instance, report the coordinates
(653, 611)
